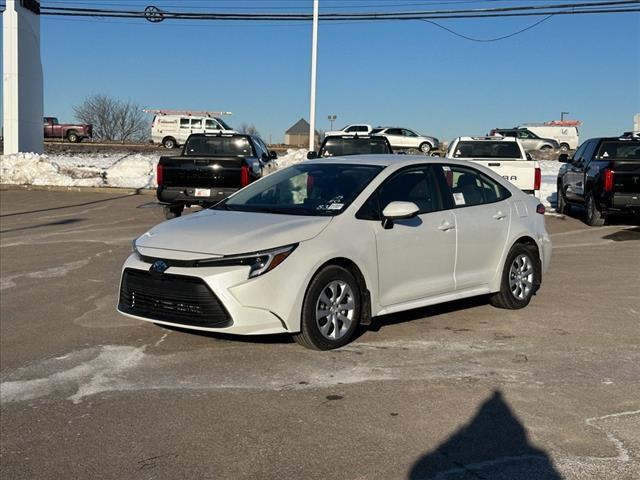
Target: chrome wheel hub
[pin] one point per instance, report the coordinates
(521, 277)
(335, 310)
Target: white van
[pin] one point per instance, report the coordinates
(566, 135)
(172, 129)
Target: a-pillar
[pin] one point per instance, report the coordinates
(22, 87)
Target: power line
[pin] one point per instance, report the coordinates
(488, 40)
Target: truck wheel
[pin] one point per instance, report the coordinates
(594, 216)
(172, 211)
(564, 147)
(331, 310)
(73, 137)
(425, 147)
(520, 278)
(561, 203)
(169, 143)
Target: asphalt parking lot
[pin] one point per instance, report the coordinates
(460, 391)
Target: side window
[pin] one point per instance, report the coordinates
(468, 187)
(211, 124)
(408, 133)
(394, 131)
(581, 155)
(417, 184)
(588, 152)
(196, 123)
(261, 151)
(578, 155)
(185, 123)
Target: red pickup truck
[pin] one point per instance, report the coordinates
(70, 132)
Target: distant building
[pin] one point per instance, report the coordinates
(298, 134)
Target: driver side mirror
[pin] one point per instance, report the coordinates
(398, 211)
(563, 158)
(273, 155)
(311, 155)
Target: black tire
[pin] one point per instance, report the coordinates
(594, 217)
(172, 211)
(169, 143)
(73, 137)
(310, 335)
(561, 202)
(506, 297)
(564, 147)
(425, 147)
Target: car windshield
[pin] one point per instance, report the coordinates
(218, 146)
(487, 149)
(224, 124)
(334, 147)
(305, 189)
(620, 150)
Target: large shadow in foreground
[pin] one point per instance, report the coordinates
(493, 445)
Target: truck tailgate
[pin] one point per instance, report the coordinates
(626, 176)
(522, 173)
(205, 172)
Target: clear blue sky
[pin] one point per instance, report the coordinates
(403, 73)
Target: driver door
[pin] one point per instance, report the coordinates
(416, 258)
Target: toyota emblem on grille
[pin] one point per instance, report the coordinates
(159, 266)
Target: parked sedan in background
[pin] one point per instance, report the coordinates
(403, 138)
(320, 247)
(530, 141)
(603, 176)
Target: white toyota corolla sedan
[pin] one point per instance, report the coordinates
(320, 247)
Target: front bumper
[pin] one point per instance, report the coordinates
(220, 281)
(187, 195)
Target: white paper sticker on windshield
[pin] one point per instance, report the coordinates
(458, 198)
(446, 169)
(605, 154)
(336, 206)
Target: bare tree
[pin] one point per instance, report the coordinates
(113, 119)
(249, 129)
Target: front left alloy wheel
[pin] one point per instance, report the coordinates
(331, 310)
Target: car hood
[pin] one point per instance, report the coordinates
(220, 232)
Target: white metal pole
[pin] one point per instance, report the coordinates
(314, 60)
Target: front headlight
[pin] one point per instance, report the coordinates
(259, 262)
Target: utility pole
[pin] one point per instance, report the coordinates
(314, 61)
(562, 114)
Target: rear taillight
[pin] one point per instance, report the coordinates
(608, 180)
(159, 175)
(540, 209)
(244, 175)
(537, 183)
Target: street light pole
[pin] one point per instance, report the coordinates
(332, 118)
(314, 60)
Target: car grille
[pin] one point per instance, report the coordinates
(171, 298)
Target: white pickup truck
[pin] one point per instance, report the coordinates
(503, 155)
(352, 129)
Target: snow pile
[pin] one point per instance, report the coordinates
(292, 157)
(112, 170)
(549, 170)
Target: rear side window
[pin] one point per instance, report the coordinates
(468, 187)
(620, 150)
(185, 123)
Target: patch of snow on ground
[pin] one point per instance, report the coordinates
(549, 170)
(292, 157)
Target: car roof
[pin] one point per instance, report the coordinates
(385, 160)
(490, 138)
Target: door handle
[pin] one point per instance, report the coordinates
(499, 216)
(446, 226)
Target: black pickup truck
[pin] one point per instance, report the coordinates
(343, 145)
(210, 168)
(604, 176)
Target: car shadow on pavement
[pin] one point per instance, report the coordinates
(493, 444)
(67, 221)
(624, 235)
(432, 311)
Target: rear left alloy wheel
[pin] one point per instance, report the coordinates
(520, 278)
(425, 147)
(331, 310)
